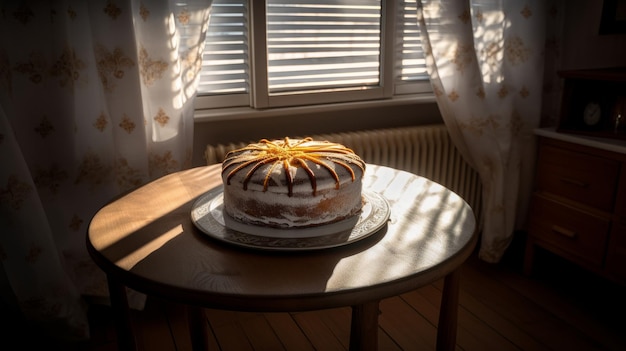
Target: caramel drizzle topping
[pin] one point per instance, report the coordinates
(286, 153)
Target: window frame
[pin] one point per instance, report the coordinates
(258, 98)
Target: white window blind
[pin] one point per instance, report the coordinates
(410, 61)
(323, 44)
(225, 66)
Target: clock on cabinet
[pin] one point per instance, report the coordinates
(594, 102)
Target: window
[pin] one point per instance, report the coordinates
(275, 53)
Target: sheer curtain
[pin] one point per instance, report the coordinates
(95, 99)
(485, 59)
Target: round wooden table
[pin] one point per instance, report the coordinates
(146, 240)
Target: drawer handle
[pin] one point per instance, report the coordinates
(573, 181)
(562, 231)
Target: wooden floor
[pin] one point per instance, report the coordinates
(500, 309)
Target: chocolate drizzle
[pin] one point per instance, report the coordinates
(288, 153)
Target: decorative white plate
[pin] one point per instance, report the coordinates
(207, 215)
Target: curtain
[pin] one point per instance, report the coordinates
(96, 98)
(485, 60)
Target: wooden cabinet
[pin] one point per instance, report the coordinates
(578, 207)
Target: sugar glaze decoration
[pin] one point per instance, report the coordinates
(288, 153)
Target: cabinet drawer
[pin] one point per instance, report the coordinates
(570, 230)
(580, 177)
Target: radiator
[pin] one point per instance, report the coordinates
(423, 150)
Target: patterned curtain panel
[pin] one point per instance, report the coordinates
(96, 98)
(486, 60)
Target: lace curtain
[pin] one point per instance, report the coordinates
(485, 59)
(96, 98)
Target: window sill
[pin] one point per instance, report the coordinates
(222, 126)
(239, 113)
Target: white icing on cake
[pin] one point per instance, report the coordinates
(291, 183)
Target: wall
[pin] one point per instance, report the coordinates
(582, 46)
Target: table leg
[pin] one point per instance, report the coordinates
(121, 315)
(364, 326)
(448, 312)
(198, 328)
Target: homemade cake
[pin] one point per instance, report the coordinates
(292, 183)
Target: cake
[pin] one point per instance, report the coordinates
(292, 183)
